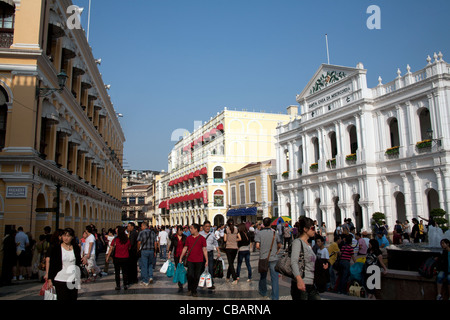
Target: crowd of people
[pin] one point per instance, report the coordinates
(64, 261)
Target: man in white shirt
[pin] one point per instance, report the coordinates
(89, 254)
(22, 242)
(163, 236)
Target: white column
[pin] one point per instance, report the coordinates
(291, 161)
(445, 173)
(407, 194)
(417, 195)
(440, 190)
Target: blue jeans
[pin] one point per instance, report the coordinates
(262, 285)
(241, 256)
(146, 262)
(163, 252)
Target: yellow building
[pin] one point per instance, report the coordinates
(252, 192)
(199, 163)
(61, 145)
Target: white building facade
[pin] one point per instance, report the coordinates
(357, 150)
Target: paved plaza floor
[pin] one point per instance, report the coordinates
(162, 288)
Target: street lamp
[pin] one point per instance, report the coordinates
(62, 78)
(430, 137)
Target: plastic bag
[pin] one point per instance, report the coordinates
(164, 267)
(180, 274)
(50, 294)
(208, 280)
(170, 270)
(201, 282)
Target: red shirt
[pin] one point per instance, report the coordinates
(122, 250)
(196, 254)
(180, 246)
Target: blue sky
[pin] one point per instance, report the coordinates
(174, 62)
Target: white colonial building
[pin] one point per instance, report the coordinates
(355, 150)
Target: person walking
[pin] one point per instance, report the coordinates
(197, 258)
(269, 245)
(211, 245)
(147, 244)
(22, 242)
(120, 252)
(346, 254)
(163, 236)
(415, 233)
(9, 257)
(231, 239)
(177, 243)
(333, 253)
(64, 269)
(244, 251)
(89, 254)
(133, 259)
(303, 261)
(109, 237)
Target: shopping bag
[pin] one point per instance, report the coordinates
(208, 280)
(164, 267)
(201, 282)
(44, 288)
(218, 268)
(180, 274)
(50, 294)
(170, 269)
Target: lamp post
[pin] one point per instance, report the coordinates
(62, 78)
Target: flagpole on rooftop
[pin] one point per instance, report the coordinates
(89, 20)
(328, 53)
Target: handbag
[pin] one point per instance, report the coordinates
(284, 265)
(263, 264)
(356, 290)
(218, 268)
(180, 274)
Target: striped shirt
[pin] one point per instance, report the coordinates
(346, 252)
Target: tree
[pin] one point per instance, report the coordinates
(438, 215)
(377, 219)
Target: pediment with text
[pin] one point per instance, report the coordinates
(327, 76)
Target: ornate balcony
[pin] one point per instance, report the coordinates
(6, 38)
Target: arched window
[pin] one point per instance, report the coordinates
(333, 145)
(315, 143)
(218, 198)
(286, 156)
(218, 174)
(393, 131)
(6, 25)
(353, 140)
(425, 124)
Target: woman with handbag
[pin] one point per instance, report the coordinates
(244, 251)
(177, 243)
(195, 251)
(120, 251)
(64, 269)
(374, 257)
(303, 263)
(231, 238)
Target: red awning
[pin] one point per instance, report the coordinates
(162, 205)
(186, 178)
(213, 131)
(220, 127)
(206, 136)
(191, 197)
(191, 175)
(198, 195)
(203, 170)
(197, 173)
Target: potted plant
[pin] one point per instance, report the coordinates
(377, 220)
(424, 144)
(285, 174)
(299, 171)
(314, 166)
(438, 215)
(351, 157)
(393, 151)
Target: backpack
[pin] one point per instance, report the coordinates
(427, 269)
